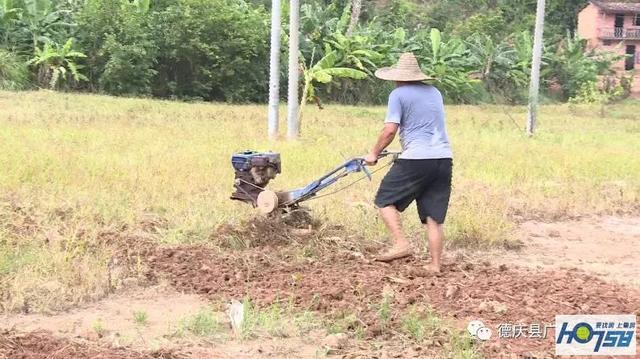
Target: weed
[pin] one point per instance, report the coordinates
(99, 327)
(427, 325)
(322, 353)
(462, 346)
(204, 323)
(414, 326)
(347, 323)
(141, 318)
(384, 311)
(421, 324)
(273, 321)
(306, 321)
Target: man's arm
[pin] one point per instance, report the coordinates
(386, 137)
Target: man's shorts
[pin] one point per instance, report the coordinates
(427, 181)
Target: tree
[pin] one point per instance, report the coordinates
(563, 16)
(576, 69)
(211, 50)
(121, 48)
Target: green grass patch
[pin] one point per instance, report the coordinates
(141, 317)
(277, 321)
(424, 326)
(204, 323)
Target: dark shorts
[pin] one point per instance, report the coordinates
(428, 182)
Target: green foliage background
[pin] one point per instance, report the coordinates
(218, 50)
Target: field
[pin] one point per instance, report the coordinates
(108, 199)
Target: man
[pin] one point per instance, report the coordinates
(423, 171)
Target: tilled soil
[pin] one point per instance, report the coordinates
(349, 283)
(42, 345)
(275, 267)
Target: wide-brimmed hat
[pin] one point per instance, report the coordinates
(407, 69)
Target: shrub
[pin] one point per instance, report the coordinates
(121, 53)
(128, 69)
(14, 73)
(211, 49)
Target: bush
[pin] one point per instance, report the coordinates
(211, 49)
(189, 49)
(577, 70)
(128, 69)
(121, 53)
(14, 72)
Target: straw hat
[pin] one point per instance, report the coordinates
(407, 69)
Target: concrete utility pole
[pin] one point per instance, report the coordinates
(534, 87)
(293, 121)
(274, 70)
(356, 7)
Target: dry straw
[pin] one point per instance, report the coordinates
(407, 69)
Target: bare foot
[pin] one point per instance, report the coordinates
(395, 253)
(432, 268)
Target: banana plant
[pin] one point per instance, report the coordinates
(449, 63)
(576, 68)
(9, 14)
(490, 56)
(40, 22)
(55, 63)
(323, 72)
(356, 51)
(523, 47)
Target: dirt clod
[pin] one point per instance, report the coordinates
(452, 291)
(263, 231)
(336, 341)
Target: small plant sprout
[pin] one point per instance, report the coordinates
(99, 327)
(141, 317)
(385, 310)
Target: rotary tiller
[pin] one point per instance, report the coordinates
(254, 170)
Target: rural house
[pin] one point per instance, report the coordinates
(615, 27)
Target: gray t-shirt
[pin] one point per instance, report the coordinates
(419, 110)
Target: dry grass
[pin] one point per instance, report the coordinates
(73, 165)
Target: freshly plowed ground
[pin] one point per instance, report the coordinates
(350, 283)
(41, 345)
(280, 264)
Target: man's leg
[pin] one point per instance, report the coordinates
(435, 232)
(401, 247)
(391, 218)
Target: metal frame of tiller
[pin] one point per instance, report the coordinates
(268, 201)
